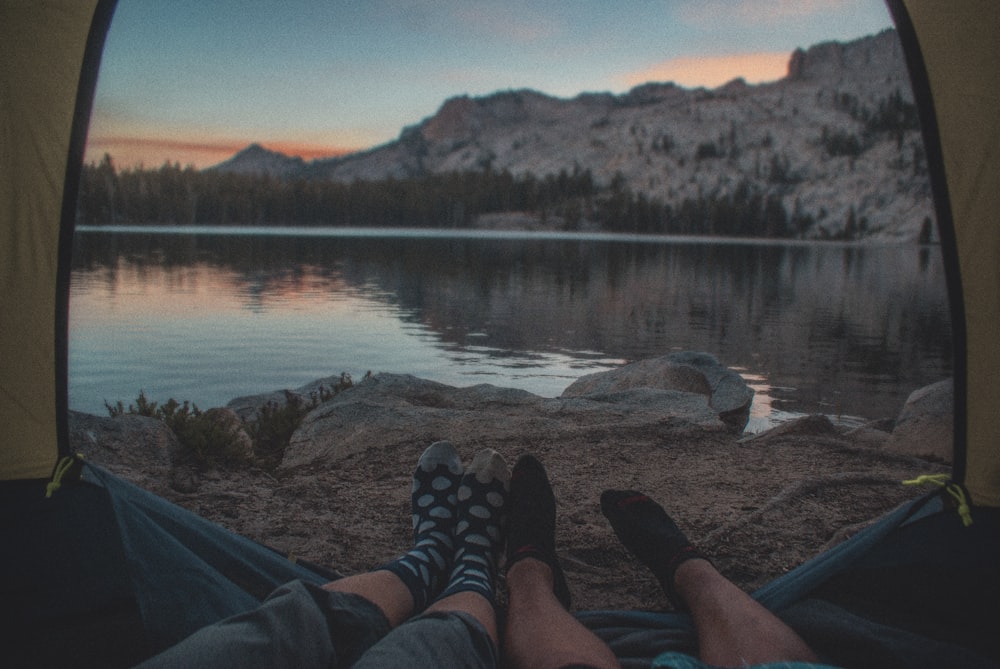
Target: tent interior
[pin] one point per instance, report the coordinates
(100, 572)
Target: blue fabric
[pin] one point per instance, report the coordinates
(188, 572)
(682, 661)
(793, 586)
(637, 637)
(297, 627)
(452, 640)
(304, 627)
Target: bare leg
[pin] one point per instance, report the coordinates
(733, 629)
(406, 585)
(473, 604)
(383, 589)
(470, 509)
(480, 501)
(541, 633)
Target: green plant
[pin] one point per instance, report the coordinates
(272, 430)
(142, 407)
(708, 150)
(204, 441)
(841, 143)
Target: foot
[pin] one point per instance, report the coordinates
(482, 495)
(531, 531)
(651, 535)
(433, 503)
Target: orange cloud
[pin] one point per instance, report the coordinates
(714, 71)
(133, 151)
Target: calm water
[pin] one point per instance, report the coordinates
(848, 331)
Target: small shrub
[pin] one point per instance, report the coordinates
(272, 430)
(841, 143)
(203, 441)
(708, 150)
(207, 442)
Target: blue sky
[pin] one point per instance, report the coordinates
(195, 81)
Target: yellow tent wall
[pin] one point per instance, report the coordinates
(43, 45)
(959, 43)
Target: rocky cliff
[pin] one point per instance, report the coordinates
(836, 141)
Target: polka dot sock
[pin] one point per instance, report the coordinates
(478, 532)
(433, 502)
(651, 535)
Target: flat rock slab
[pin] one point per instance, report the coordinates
(392, 410)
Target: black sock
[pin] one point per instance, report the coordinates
(482, 495)
(531, 518)
(435, 486)
(650, 534)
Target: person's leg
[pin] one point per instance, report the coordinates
(406, 585)
(733, 629)
(459, 628)
(482, 496)
(383, 589)
(540, 631)
(299, 625)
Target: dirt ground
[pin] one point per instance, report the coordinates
(758, 508)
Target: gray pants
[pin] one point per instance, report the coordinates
(303, 626)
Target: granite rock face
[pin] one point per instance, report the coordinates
(392, 410)
(925, 427)
(812, 140)
(681, 396)
(691, 372)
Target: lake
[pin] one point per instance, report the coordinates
(847, 330)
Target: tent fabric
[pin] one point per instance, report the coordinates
(42, 47)
(102, 554)
(961, 54)
(190, 570)
(916, 589)
(161, 572)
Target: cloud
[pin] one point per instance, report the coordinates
(713, 71)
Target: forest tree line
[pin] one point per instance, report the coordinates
(171, 195)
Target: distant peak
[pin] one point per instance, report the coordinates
(260, 160)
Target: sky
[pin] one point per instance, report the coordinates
(193, 82)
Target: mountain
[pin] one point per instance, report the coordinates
(837, 141)
(258, 160)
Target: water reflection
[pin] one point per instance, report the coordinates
(846, 330)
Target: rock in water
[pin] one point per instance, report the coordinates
(692, 372)
(925, 427)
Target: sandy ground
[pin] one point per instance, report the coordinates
(757, 508)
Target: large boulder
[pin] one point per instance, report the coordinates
(926, 425)
(691, 372)
(392, 410)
